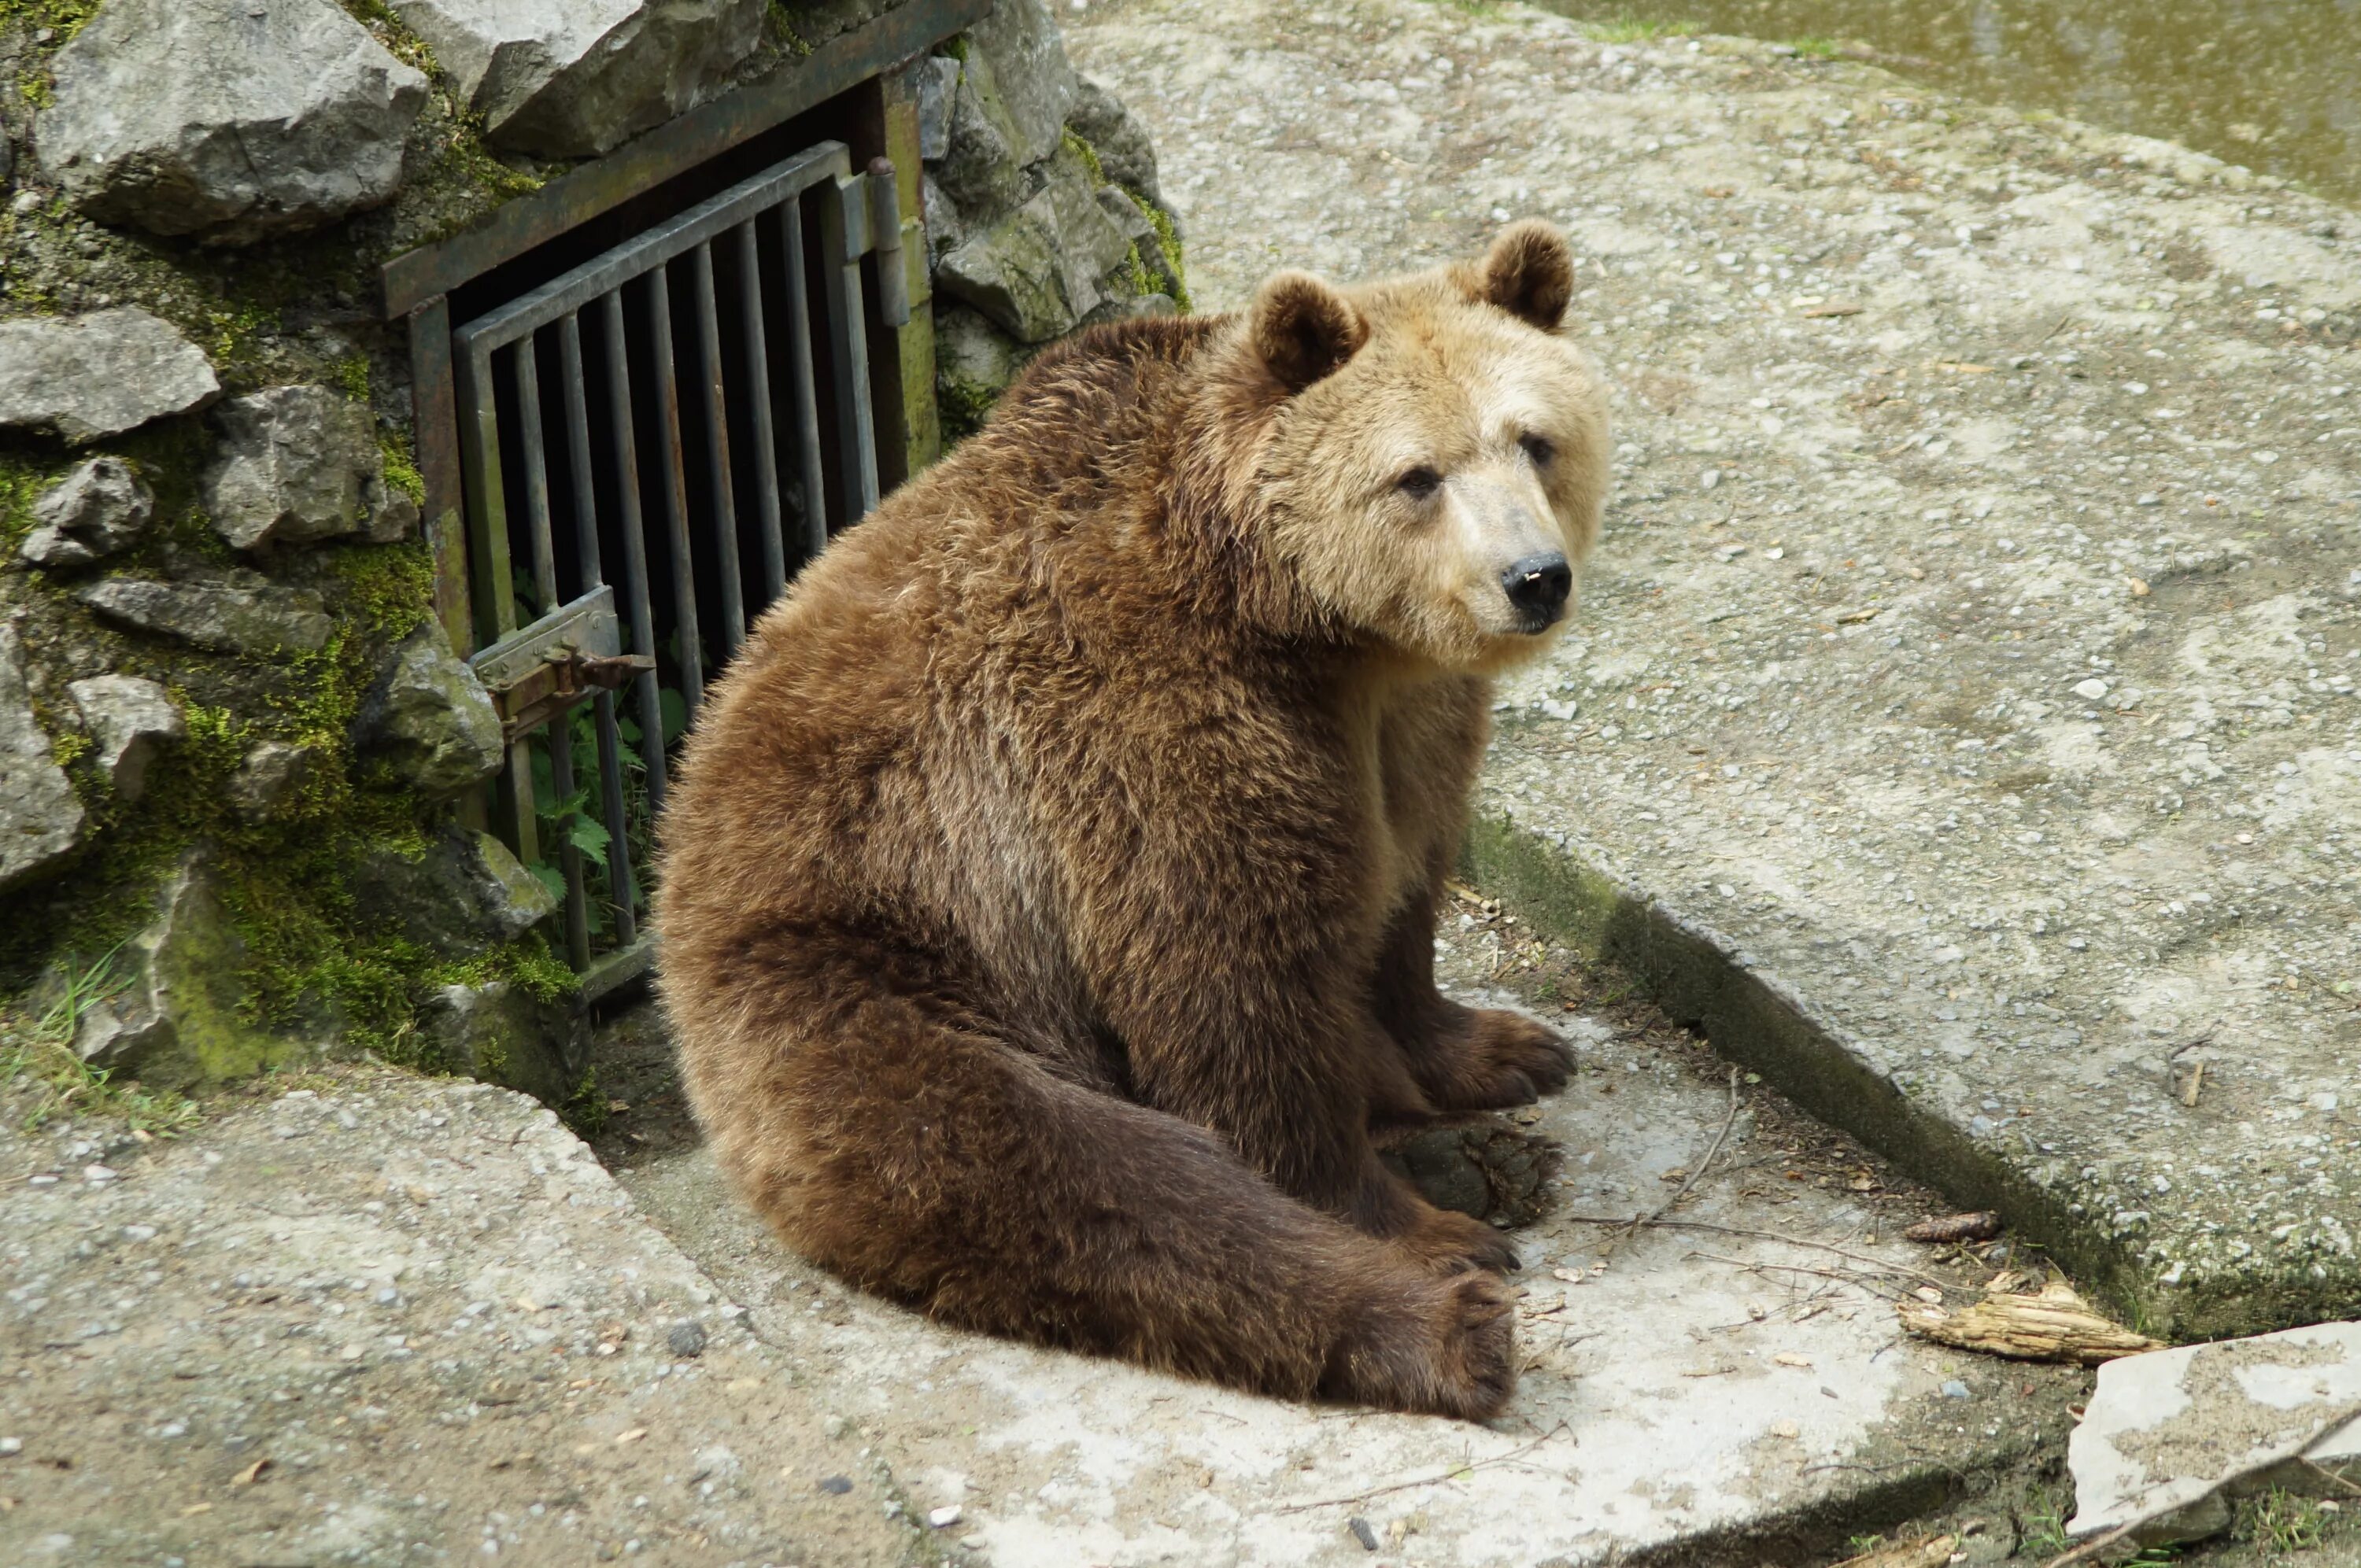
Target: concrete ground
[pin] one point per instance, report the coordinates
(381, 1320)
(1961, 720)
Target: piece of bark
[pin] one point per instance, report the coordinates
(1980, 1226)
(2056, 1325)
(1927, 1552)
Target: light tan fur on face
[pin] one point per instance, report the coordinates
(1449, 383)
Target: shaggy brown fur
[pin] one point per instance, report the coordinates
(1048, 890)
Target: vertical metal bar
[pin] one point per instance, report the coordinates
(799, 380)
(434, 408)
(495, 591)
(844, 219)
(717, 452)
(671, 463)
(758, 408)
(558, 734)
(493, 608)
(635, 545)
(585, 549)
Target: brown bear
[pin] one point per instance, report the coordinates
(1048, 894)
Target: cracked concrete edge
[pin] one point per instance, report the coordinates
(1765, 1024)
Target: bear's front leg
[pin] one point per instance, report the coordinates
(1463, 1058)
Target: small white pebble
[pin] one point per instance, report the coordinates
(944, 1518)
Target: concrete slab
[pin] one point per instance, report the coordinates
(1682, 1388)
(1962, 719)
(386, 1322)
(2166, 1432)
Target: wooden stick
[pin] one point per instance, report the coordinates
(1703, 1166)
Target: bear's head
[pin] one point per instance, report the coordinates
(1435, 457)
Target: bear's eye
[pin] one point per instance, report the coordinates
(1419, 483)
(1539, 448)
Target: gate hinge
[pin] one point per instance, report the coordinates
(537, 671)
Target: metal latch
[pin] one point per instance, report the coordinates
(538, 671)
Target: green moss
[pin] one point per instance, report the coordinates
(401, 471)
(782, 32)
(1134, 273)
(1168, 240)
(1631, 29)
(69, 747)
(353, 375)
(955, 48)
(22, 480)
(1812, 48)
(1075, 144)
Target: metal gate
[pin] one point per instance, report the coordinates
(643, 396)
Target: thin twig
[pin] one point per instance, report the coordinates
(1451, 1475)
(1613, 1221)
(1704, 1165)
(2327, 1474)
(2328, 1428)
(1846, 1276)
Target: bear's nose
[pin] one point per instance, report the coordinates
(1538, 587)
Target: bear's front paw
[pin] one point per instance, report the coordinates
(1444, 1347)
(1443, 1241)
(1507, 1061)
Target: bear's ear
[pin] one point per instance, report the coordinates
(1303, 329)
(1529, 272)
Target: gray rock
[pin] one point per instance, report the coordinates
(86, 377)
(1034, 81)
(938, 87)
(1037, 273)
(981, 168)
(2163, 1431)
(465, 893)
(430, 719)
(172, 1009)
(227, 119)
(298, 465)
(42, 818)
(1125, 153)
(576, 77)
(503, 1034)
(270, 776)
(133, 721)
(973, 354)
(260, 621)
(686, 1339)
(100, 508)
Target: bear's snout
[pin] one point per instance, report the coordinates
(1538, 587)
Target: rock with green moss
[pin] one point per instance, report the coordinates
(428, 721)
(1126, 155)
(1037, 271)
(133, 721)
(576, 78)
(1035, 82)
(243, 613)
(171, 1008)
(41, 819)
(503, 1032)
(99, 508)
(981, 168)
(81, 377)
(270, 776)
(227, 119)
(463, 893)
(298, 465)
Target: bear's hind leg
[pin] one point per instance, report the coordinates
(937, 1165)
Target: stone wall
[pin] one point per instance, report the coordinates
(1041, 205)
(235, 749)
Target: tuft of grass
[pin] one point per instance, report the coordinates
(2045, 1526)
(2281, 1522)
(39, 1053)
(1628, 28)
